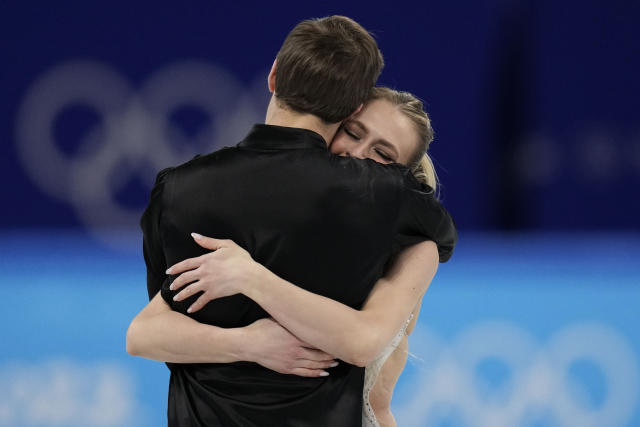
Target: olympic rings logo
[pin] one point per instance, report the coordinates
(134, 136)
(539, 380)
(445, 383)
(68, 392)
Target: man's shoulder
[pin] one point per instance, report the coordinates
(345, 171)
(202, 159)
(198, 162)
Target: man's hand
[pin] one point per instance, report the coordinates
(223, 272)
(275, 348)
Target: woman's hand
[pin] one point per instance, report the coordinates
(226, 271)
(275, 348)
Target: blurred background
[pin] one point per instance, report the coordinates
(536, 108)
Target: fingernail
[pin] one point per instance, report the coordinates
(333, 365)
(324, 373)
(168, 270)
(175, 297)
(171, 287)
(189, 310)
(196, 236)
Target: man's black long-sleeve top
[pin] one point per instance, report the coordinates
(326, 223)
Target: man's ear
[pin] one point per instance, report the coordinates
(271, 80)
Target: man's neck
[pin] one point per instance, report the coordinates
(278, 116)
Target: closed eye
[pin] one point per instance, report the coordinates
(351, 134)
(384, 156)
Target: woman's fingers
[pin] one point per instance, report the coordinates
(311, 358)
(304, 372)
(314, 354)
(316, 364)
(187, 292)
(187, 264)
(210, 242)
(184, 278)
(200, 302)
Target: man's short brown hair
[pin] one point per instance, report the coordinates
(326, 67)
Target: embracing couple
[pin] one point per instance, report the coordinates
(284, 273)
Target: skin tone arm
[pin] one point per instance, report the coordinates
(355, 336)
(186, 334)
(382, 392)
(159, 333)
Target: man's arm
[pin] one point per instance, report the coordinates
(152, 250)
(159, 333)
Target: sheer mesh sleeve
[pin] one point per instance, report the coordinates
(371, 373)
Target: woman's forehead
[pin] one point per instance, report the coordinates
(382, 120)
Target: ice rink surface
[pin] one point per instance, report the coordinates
(531, 329)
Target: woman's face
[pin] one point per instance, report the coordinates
(379, 132)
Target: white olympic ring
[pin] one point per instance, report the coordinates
(67, 392)
(135, 136)
(447, 384)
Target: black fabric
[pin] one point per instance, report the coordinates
(325, 223)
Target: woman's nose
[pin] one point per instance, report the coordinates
(357, 152)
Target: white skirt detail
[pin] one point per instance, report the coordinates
(371, 372)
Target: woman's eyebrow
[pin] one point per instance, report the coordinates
(359, 124)
(384, 142)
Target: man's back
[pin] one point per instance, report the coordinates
(325, 223)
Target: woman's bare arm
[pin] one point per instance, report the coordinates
(355, 336)
(159, 333)
(382, 391)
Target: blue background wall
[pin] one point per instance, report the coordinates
(537, 117)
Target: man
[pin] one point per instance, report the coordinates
(328, 225)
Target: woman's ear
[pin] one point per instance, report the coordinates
(271, 80)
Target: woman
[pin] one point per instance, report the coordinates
(392, 128)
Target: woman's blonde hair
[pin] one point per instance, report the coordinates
(420, 163)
